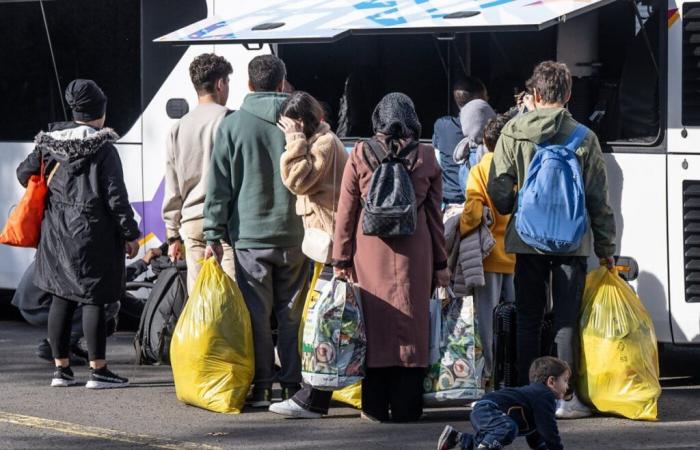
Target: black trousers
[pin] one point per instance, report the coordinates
(532, 275)
(395, 389)
(60, 318)
(313, 400)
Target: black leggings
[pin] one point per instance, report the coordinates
(60, 317)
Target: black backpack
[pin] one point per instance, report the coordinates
(390, 206)
(160, 314)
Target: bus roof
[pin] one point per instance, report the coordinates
(279, 21)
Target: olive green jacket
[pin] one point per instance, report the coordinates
(511, 159)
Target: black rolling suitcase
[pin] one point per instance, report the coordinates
(504, 346)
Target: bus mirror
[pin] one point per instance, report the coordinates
(176, 108)
(627, 267)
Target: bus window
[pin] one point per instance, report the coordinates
(96, 40)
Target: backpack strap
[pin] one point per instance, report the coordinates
(377, 149)
(576, 137)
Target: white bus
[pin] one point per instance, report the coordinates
(636, 67)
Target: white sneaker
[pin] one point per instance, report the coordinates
(572, 409)
(289, 408)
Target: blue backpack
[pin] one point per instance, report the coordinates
(551, 215)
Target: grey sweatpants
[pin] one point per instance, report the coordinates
(498, 285)
(274, 281)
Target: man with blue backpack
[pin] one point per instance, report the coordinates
(548, 171)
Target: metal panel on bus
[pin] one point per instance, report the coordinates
(640, 220)
(684, 246)
(330, 20)
(682, 138)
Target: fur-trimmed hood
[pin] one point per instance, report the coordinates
(72, 144)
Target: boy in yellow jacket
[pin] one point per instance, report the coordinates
(499, 266)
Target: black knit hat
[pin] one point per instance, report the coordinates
(86, 100)
(396, 117)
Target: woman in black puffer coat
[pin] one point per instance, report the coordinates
(87, 229)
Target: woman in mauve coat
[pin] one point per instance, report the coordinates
(396, 275)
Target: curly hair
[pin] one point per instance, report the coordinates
(552, 81)
(547, 366)
(266, 72)
(492, 130)
(206, 69)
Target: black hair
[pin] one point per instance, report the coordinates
(303, 106)
(206, 69)
(552, 81)
(266, 72)
(492, 130)
(466, 89)
(547, 366)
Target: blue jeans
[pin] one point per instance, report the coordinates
(492, 427)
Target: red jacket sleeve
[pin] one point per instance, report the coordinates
(433, 212)
(348, 214)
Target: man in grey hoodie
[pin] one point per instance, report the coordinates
(473, 116)
(188, 153)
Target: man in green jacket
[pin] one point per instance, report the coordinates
(247, 205)
(550, 122)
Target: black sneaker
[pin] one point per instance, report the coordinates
(260, 398)
(103, 378)
(43, 350)
(450, 438)
(289, 391)
(78, 352)
(78, 356)
(63, 377)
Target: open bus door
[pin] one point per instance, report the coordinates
(318, 40)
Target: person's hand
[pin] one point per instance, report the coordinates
(131, 248)
(342, 273)
(289, 126)
(442, 278)
(216, 250)
(150, 254)
(608, 262)
(175, 250)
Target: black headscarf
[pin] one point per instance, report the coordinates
(395, 116)
(86, 100)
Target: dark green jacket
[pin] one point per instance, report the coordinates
(246, 201)
(511, 159)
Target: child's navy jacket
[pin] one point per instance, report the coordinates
(532, 407)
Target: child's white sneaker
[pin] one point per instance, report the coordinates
(572, 409)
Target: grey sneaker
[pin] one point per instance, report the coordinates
(63, 377)
(103, 378)
(450, 438)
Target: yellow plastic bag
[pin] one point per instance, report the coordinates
(619, 371)
(211, 353)
(311, 296)
(351, 395)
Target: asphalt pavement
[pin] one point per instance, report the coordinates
(148, 415)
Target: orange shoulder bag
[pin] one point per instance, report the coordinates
(23, 227)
